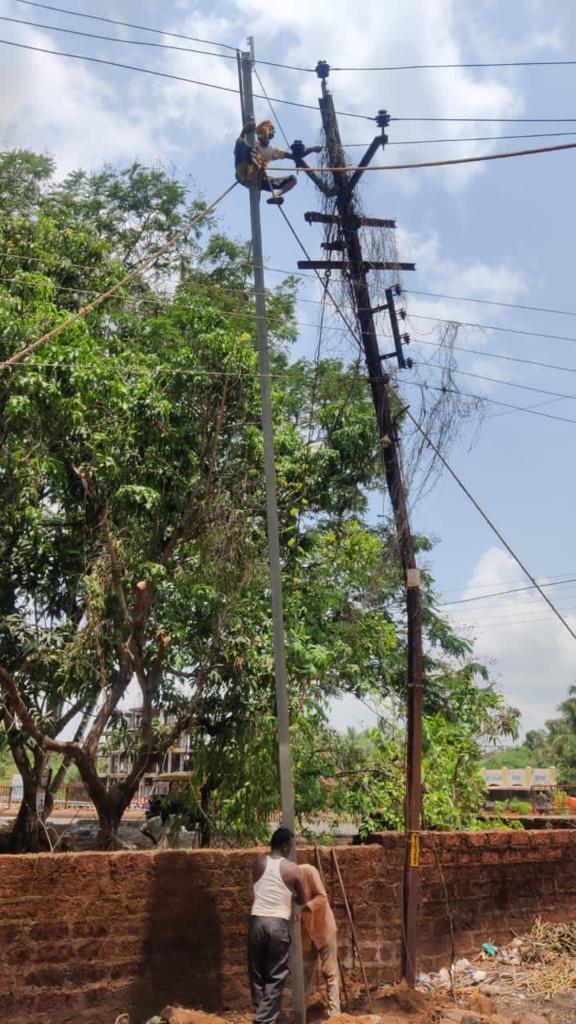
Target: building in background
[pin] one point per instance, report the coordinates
(119, 760)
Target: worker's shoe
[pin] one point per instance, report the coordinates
(275, 201)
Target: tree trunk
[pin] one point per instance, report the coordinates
(110, 806)
(28, 833)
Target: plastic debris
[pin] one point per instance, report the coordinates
(489, 949)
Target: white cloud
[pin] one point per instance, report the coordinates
(61, 107)
(531, 654)
(66, 107)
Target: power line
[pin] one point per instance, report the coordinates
(504, 593)
(486, 586)
(491, 401)
(475, 64)
(125, 24)
(519, 612)
(490, 302)
(117, 39)
(144, 28)
(492, 327)
(490, 120)
(499, 355)
(444, 163)
(461, 138)
(507, 383)
(85, 310)
(291, 67)
(166, 74)
(490, 523)
(500, 623)
(463, 487)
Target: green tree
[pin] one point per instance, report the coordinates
(132, 532)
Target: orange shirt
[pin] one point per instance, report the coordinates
(317, 919)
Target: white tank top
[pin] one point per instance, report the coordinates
(272, 897)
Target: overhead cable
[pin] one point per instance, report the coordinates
(489, 521)
(117, 39)
(442, 163)
(461, 138)
(498, 355)
(125, 24)
(470, 64)
(503, 593)
(490, 302)
(491, 401)
(166, 74)
(145, 28)
(507, 383)
(492, 327)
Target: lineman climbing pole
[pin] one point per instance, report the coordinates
(246, 63)
(356, 269)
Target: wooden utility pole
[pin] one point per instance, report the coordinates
(348, 242)
(280, 673)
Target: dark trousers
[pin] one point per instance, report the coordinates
(268, 954)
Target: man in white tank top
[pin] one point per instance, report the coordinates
(277, 881)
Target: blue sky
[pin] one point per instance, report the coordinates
(500, 231)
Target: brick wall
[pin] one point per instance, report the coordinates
(86, 936)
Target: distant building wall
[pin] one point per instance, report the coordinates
(87, 936)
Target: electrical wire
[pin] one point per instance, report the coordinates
(490, 120)
(148, 261)
(172, 77)
(506, 383)
(475, 64)
(466, 491)
(273, 64)
(442, 163)
(461, 138)
(498, 355)
(124, 24)
(492, 327)
(488, 520)
(117, 39)
(405, 291)
(490, 302)
(146, 28)
(491, 401)
(503, 593)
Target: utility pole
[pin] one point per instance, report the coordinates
(280, 675)
(356, 268)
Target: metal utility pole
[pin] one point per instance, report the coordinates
(280, 674)
(356, 268)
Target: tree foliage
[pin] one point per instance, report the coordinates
(132, 532)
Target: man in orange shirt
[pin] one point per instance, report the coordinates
(319, 937)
